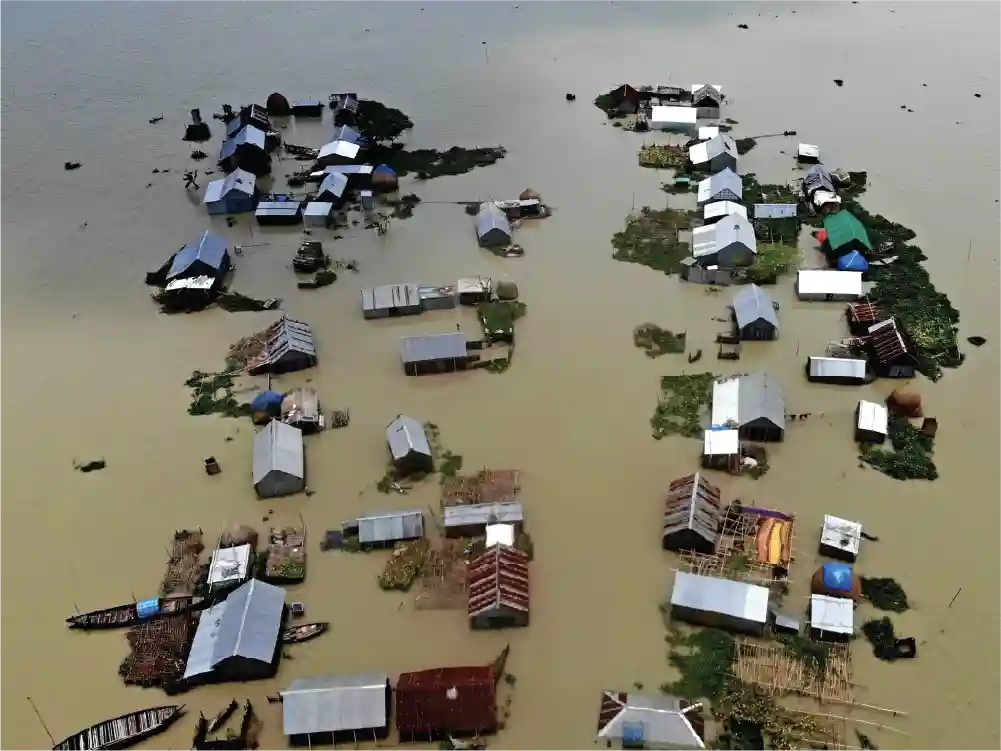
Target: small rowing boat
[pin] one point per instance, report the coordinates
(124, 731)
(121, 616)
(302, 633)
(303, 151)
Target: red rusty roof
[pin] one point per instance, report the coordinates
(498, 579)
(446, 700)
(864, 312)
(887, 341)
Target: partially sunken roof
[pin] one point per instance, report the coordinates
(335, 183)
(818, 178)
(405, 435)
(664, 720)
(740, 400)
(725, 184)
(238, 180)
(278, 448)
(391, 526)
(209, 249)
(490, 217)
(693, 504)
(343, 149)
(702, 153)
(246, 136)
(752, 303)
(431, 347)
(708, 594)
(335, 703)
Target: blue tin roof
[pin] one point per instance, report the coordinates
(854, 261)
(247, 136)
(210, 249)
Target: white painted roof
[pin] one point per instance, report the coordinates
(708, 131)
(829, 282)
(723, 208)
(676, 115)
(835, 615)
(809, 150)
(721, 442)
(229, 564)
(841, 533)
(873, 417)
(500, 534)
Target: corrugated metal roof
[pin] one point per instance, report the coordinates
(498, 579)
(229, 564)
(278, 448)
(873, 417)
(704, 241)
(734, 229)
(336, 184)
(722, 208)
(246, 624)
(391, 526)
(348, 134)
(193, 282)
(739, 400)
(483, 513)
(809, 151)
(343, 169)
(390, 296)
(460, 699)
(692, 504)
(751, 303)
(721, 442)
(702, 90)
(209, 249)
(703, 152)
(668, 115)
(335, 703)
(821, 282)
(239, 180)
(818, 178)
(724, 185)
(888, 341)
(346, 102)
(662, 718)
(748, 602)
(405, 434)
(837, 367)
(277, 208)
(489, 218)
(708, 131)
(841, 533)
(318, 208)
(248, 135)
(342, 149)
(428, 347)
(833, 614)
(775, 210)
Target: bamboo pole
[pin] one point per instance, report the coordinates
(853, 719)
(39, 715)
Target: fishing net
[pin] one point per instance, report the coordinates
(885, 594)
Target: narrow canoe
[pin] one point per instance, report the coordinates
(302, 633)
(122, 616)
(124, 731)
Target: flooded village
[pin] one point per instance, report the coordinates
(312, 497)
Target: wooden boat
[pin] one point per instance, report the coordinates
(305, 632)
(221, 718)
(303, 151)
(124, 731)
(127, 615)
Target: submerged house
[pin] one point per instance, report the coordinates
(723, 186)
(234, 194)
(713, 212)
(498, 584)
(278, 213)
(845, 233)
(307, 108)
(318, 214)
(649, 721)
(828, 285)
(721, 449)
(446, 701)
(719, 603)
(728, 242)
(229, 566)
(861, 316)
(240, 638)
(246, 150)
(300, 408)
(336, 708)
(279, 461)
(289, 347)
(832, 618)
(716, 154)
(890, 350)
(692, 515)
(409, 446)
(345, 107)
(707, 100)
(817, 178)
(626, 99)
(333, 189)
(492, 226)
(207, 256)
(349, 134)
(807, 153)
(674, 119)
(391, 301)
(754, 314)
(872, 422)
(435, 353)
(840, 539)
(387, 529)
(753, 404)
(338, 152)
(254, 115)
(838, 370)
(472, 520)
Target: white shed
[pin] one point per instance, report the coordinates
(674, 119)
(229, 566)
(871, 422)
(713, 212)
(841, 370)
(317, 214)
(279, 461)
(728, 242)
(832, 618)
(723, 603)
(708, 131)
(808, 154)
(826, 284)
(840, 538)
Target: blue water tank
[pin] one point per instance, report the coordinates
(838, 577)
(854, 261)
(148, 608)
(633, 735)
(269, 401)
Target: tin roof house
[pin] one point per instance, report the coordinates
(728, 242)
(234, 194)
(349, 134)
(279, 461)
(390, 301)
(336, 708)
(625, 99)
(754, 314)
(871, 422)
(753, 404)
(707, 100)
(832, 618)
(446, 701)
(229, 567)
(817, 178)
(840, 539)
(725, 185)
(254, 115)
(714, 155)
(284, 212)
(207, 256)
(345, 107)
(409, 446)
(674, 119)
(828, 285)
(307, 108)
(692, 515)
(498, 583)
(388, 528)
(721, 449)
(845, 233)
(289, 347)
(890, 351)
(719, 603)
(246, 150)
(492, 227)
(713, 212)
(807, 153)
(318, 214)
(435, 353)
(333, 189)
(838, 370)
(473, 520)
(240, 638)
(338, 153)
(645, 721)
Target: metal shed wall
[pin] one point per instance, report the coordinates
(415, 349)
(710, 601)
(751, 303)
(406, 435)
(391, 527)
(279, 460)
(335, 703)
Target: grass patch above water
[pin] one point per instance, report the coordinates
(663, 156)
(679, 407)
(911, 457)
(213, 394)
(498, 318)
(704, 658)
(657, 341)
(744, 145)
(773, 260)
(650, 238)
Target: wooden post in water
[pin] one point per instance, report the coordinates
(39, 715)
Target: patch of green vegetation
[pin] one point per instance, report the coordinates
(704, 658)
(882, 636)
(606, 103)
(680, 405)
(775, 230)
(911, 457)
(885, 594)
(744, 145)
(498, 365)
(498, 318)
(657, 341)
(429, 163)
(677, 187)
(380, 123)
(651, 239)
(450, 464)
(663, 156)
(752, 719)
(212, 393)
(773, 260)
(736, 564)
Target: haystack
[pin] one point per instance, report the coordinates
(529, 195)
(506, 290)
(278, 105)
(905, 402)
(238, 534)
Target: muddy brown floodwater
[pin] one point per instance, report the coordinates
(90, 369)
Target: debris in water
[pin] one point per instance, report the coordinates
(71, 166)
(197, 154)
(657, 341)
(91, 466)
(976, 341)
(885, 645)
(865, 742)
(839, 81)
(885, 594)
(155, 120)
(742, 26)
(977, 96)
(573, 97)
